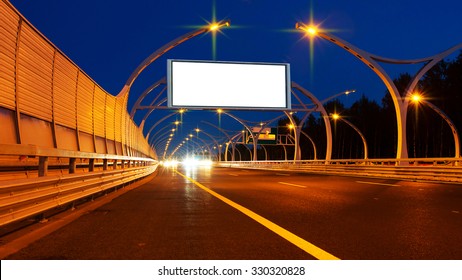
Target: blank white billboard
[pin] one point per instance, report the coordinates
(237, 85)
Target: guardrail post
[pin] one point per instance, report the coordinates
(91, 165)
(72, 165)
(114, 165)
(43, 166)
(105, 164)
(122, 164)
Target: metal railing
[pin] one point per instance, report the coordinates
(23, 198)
(74, 175)
(426, 169)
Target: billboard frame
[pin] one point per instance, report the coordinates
(170, 86)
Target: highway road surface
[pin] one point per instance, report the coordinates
(221, 213)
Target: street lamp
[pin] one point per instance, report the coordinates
(400, 99)
(217, 25)
(165, 48)
(310, 30)
(338, 117)
(417, 98)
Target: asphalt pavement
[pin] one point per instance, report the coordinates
(222, 213)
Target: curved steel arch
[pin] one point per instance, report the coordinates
(233, 146)
(162, 81)
(213, 139)
(162, 50)
(363, 138)
(451, 124)
(315, 157)
(159, 122)
(249, 130)
(203, 141)
(401, 102)
(227, 137)
(320, 108)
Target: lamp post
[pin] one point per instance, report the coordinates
(213, 138)
(345, 92)
(315, 157)
(338, 117)
(417, 98)
(124, 93)
(400, 100)
(165, 48)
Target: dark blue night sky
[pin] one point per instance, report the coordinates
(108, 39)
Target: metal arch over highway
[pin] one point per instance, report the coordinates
(400, 100)
(80, 149)
(162, 50)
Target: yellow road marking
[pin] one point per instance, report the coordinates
(374, 183)
(293, 185)
(289, 236)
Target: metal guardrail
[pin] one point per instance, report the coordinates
(427, 169)
(25, 197)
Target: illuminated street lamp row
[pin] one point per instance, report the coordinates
(400, 102)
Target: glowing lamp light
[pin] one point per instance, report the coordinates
(335, 116)
(311, 30)
(217, 25)
(416, 98)
(350, 91)
(291, 126)
(214, 27)
(219, 111)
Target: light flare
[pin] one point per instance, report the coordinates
(416, 97)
